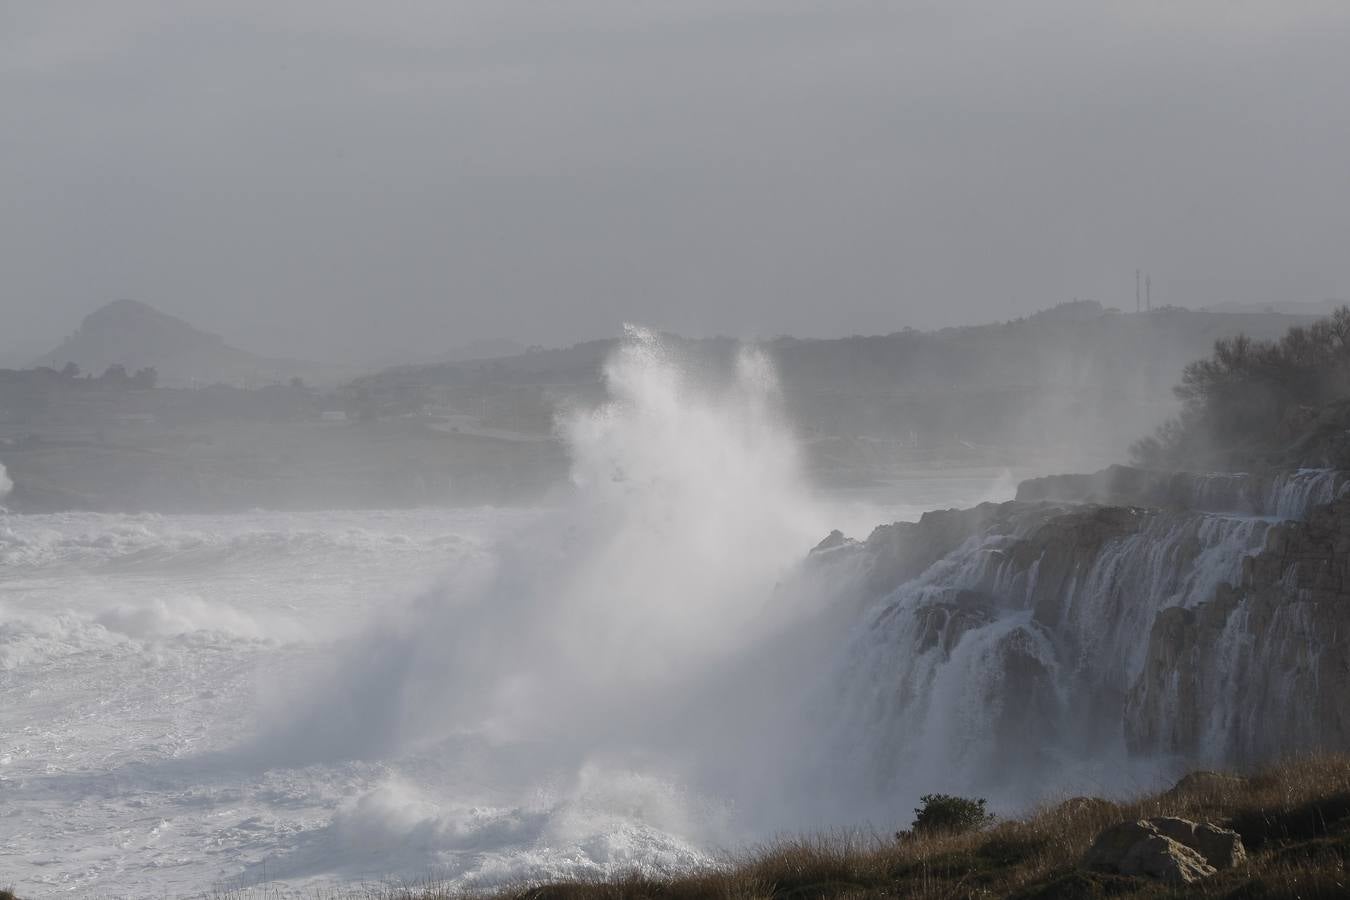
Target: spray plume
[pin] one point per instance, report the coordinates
(588, 629)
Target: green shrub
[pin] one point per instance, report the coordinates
(945, 814)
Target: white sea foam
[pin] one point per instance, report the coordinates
(644, 674)
(6, 484)
(590, 636)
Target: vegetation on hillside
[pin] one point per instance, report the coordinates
(115, 377)
(945, 814)
(1253, 402)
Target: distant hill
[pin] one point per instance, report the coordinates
(136, 335)
(1070, 381)
(1075, 345)
(1288, 307)
(489, 348)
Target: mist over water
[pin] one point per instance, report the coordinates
(641, 673)
(344, 543)
(627, 628)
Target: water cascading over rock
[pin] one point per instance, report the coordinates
(1049, 638)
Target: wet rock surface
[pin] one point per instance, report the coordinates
(1260, 668)
(1288, 493)
(1056, 628)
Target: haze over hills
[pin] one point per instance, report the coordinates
(1288, 307)
(1070, 387)
(1025, 648)
(135, 335)
(1076, 382)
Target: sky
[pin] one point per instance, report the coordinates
(354, 181)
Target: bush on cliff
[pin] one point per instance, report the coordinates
(1251, 398)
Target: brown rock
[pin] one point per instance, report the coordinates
(1168, 849)
(1220, 847)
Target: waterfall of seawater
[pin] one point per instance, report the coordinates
(1289, 495)
(662, 621)
(1007, 666)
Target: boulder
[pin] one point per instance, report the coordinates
(1177, 851)
(1221, 847)
(1136, 848)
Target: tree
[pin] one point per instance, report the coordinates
(115, 375)
(70, 371)
(145, 379)
(1242, 395)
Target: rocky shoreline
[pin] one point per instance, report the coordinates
(1128, 612)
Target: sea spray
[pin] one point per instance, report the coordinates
(591, 631)
(1007, 668)
(664, 627)
(601, 686)
(6, 484)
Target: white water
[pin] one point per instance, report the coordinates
(196, 701)
(643, 674)
(1290, 495)
(983, 676)
(1294, 495)
(980, 677)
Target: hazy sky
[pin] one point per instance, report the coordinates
(345, 179)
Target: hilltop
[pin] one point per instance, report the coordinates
(135, 335)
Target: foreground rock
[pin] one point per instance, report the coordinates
(1221, 847)
(1176, 851)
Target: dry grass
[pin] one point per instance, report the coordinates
(1294, 819)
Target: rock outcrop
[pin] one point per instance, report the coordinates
(997, 642)
(1138, 849)
(1177, 851)
(1262, 667)
(1290, 494)
(1221, 847)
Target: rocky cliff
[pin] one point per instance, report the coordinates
(1263, 666)
(1134, 616)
